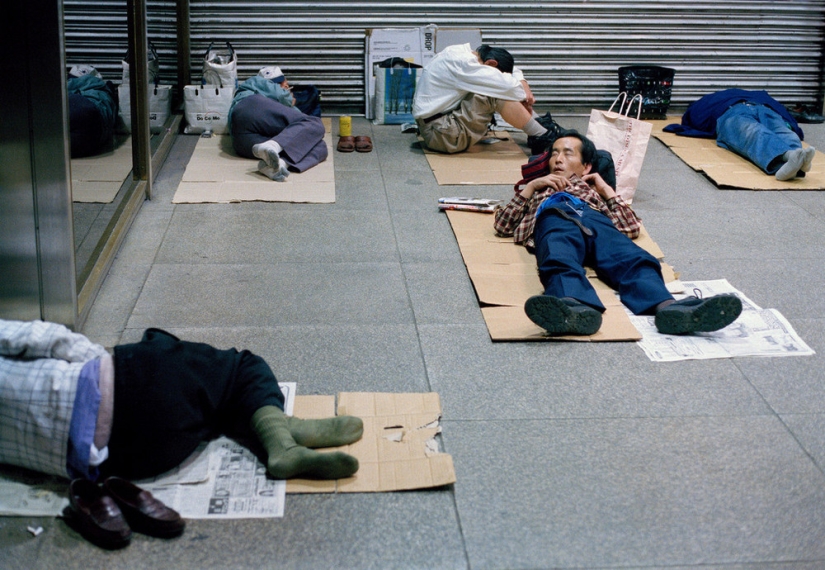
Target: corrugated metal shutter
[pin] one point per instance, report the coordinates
(570, 51)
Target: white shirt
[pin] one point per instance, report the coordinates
(455, 73)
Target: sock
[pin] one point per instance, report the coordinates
(286, 459)
(533, 128)
(268, 151)
(329, 432)
(793, 163)
(810, 152)
(277, 174)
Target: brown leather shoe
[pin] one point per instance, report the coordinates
(144, 512)
(96, 516)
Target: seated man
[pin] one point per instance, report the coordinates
(265, 124)
(753, 125)
(459, 92)
(92, 111)
(572, 218)
(71, 409)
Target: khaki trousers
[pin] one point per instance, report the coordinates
(463, 127)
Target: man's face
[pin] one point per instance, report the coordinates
(566, 158)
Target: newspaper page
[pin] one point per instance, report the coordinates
(221, 480)
(757, 332)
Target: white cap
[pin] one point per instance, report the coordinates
(81, 70)
(273, 72)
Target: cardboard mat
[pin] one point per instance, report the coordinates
(215, 174)
(398, 450)
(497, 161)
(505, 276)
(729, 170)
(99, 178)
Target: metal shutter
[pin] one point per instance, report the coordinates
(570, 51)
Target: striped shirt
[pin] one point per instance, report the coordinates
(518, 217)
(40, 364)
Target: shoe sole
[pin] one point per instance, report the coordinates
(556, 317)
(711, 315)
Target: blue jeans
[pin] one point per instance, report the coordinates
(758, 133)
(562, 251)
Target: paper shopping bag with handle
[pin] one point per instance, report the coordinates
(625, 138)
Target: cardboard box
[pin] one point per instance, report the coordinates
(398, 450)
(415, 45)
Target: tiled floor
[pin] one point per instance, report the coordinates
(568, 455)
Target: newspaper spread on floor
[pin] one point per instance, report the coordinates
(221, 480)
(757, 332)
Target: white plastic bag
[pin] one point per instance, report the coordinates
(206, 108)
(160, 107)
(220, 66)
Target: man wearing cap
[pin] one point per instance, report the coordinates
(461, 89)
(265, 124)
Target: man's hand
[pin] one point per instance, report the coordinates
(597, 182)
(557, 182)
(529, 99)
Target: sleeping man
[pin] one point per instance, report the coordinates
(572, 218)
(69, 408)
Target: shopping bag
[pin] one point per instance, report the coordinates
(206, 108)
(220, 66)
(395, 82)
(160, 107)
(625, 138)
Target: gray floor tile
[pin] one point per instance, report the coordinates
(574, 380)
(794, 385)
(441, 293)
(186, 295)
(809, 430)
(265, 236)
(635, 492)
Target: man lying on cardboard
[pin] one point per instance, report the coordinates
(571, 218)
(69, 408)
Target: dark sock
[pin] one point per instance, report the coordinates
(287, 459)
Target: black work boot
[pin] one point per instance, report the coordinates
(563, 316)
(698, 315)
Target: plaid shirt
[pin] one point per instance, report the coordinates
(40, 364)
(518, 217)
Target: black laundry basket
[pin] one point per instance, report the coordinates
(653, 83)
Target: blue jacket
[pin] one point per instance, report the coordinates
(261, 86)
(99, 92)
(700, 118)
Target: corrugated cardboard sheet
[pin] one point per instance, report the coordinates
(398, 450)
(215, 174)
(482, 163)
(99, 178)
(729, 170)
(505, 276)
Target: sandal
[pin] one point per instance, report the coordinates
(363, 144)
(346, 144)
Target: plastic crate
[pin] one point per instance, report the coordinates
(653, 83)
